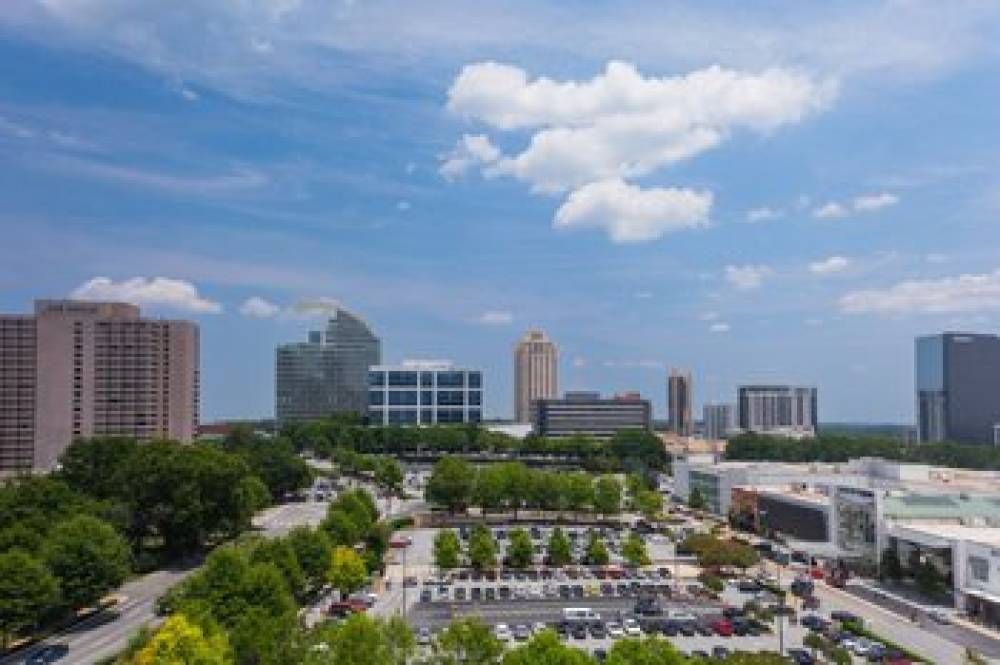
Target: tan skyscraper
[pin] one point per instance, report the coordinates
(536, 372)
(79, 369)
(679, 402)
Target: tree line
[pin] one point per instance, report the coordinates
(629, 450)
(835, 448)
(455, 485)
(116, 506)
(362, 640)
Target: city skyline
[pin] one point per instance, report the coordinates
(359, 153)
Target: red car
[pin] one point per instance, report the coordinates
(722, 628)
(346, 607)
(401, 542)
(817, 573)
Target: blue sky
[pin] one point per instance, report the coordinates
(757, 191)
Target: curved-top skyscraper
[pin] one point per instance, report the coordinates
(328, 373)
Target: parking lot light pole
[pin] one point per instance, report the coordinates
(404, 581)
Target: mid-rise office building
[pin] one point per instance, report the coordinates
(424, 393)
(328, 373)
(719, 420)
(958, 388)
(536, 372)
(679, 402)
(79, 369)
(583, 413)
(778, 409)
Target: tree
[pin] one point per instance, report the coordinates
(815, 642)
(252, 496)
(634, 551)
(389, 475)
(696, 500)
(447, 549)
(650, 651)
(579, 491)
(546, 649)
(180, 641)
(973, 658)
(482, 548)
(560, 551)
(649, 503)
(520, 551)
(279, 551)
(608, 496)
(94, 466)
(597, 552)
(313, 550)
(360, 640)
(450, 484)
(88, 557)
(467, 641)
(840, 656)
(490, 492)
(347, 571)
(27, 591)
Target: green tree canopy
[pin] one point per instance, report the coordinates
(634, 550)
(179, 640)
(467, 641)
(560, 551)
(88, 558)
(482, 548)
(347, 571)
(649, 651)
(313, 551)
(447, 549)
(608, 495)
(596, 553)
(546, 649)
(27, 590)
(450, 484)
(520, 551)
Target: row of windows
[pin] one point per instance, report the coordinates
(406, 379)
(423, 416)
(426, 397)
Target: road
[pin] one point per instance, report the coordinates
(106, 634)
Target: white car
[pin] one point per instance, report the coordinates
(615, 630)
(538, 627)
(502, 632)
(632, 629)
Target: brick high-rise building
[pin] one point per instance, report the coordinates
(536, 372)
(679, 402)
(78, 369)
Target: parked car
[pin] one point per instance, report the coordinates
(615, 630)
(502, 632)
(631, 627)
(801, 657)
(722, 627)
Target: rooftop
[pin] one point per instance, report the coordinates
(984, 535)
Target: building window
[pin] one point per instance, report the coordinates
(427, 416)
(450, 416)
(475, 398)
(475, 415)
(475, 379)
(427, 397)
(451, 379)
(427, 379)
(376, 378)
(403, 417)
(376, 398)
(402, 379)
(450, 398)
(979, 569)
(402, 398)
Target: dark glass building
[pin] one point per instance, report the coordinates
(583, 413)
(327, 374)
(424, 393)
(958, 388)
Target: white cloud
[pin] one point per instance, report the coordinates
(719, 328)
(631, 214)
(763, 214)
(495, 317)
(814, 322)
(708, 316)
(831, 265)
(747, 277)
(621, 123)
(472, 150)
(256, 307)
(403, 206)
(830, 210)
(964, 293)
(579, 361)
(642, 295)
(314, 307)
(174, 293)
(592, 137)
(936, 258)
(873, 202)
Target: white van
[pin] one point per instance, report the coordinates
(580, 614)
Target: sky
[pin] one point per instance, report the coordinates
(767, 191)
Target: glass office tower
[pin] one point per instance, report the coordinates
(958, 388)
(424, 393)
(328, 374)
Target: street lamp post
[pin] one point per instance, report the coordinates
(404, 581)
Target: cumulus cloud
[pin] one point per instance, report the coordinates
(763, 214)
(831, 210)
(314, 307)
(719, 328)
(829, 266)
(872, 202)
(256, 307)
(963, 293)
(495, 317)
(472, 150)
(162, 291)
(589, 137)
(748, 277)
(631, 214)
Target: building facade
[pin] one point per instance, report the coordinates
(328, 373)
(424, 393)
(588, 414)
(80, 369)
(778, 409)
(679, 398)
(719, 420)
(536, 372)
(958, 388)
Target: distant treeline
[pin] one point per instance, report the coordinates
(833, 448)
(629, 450)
